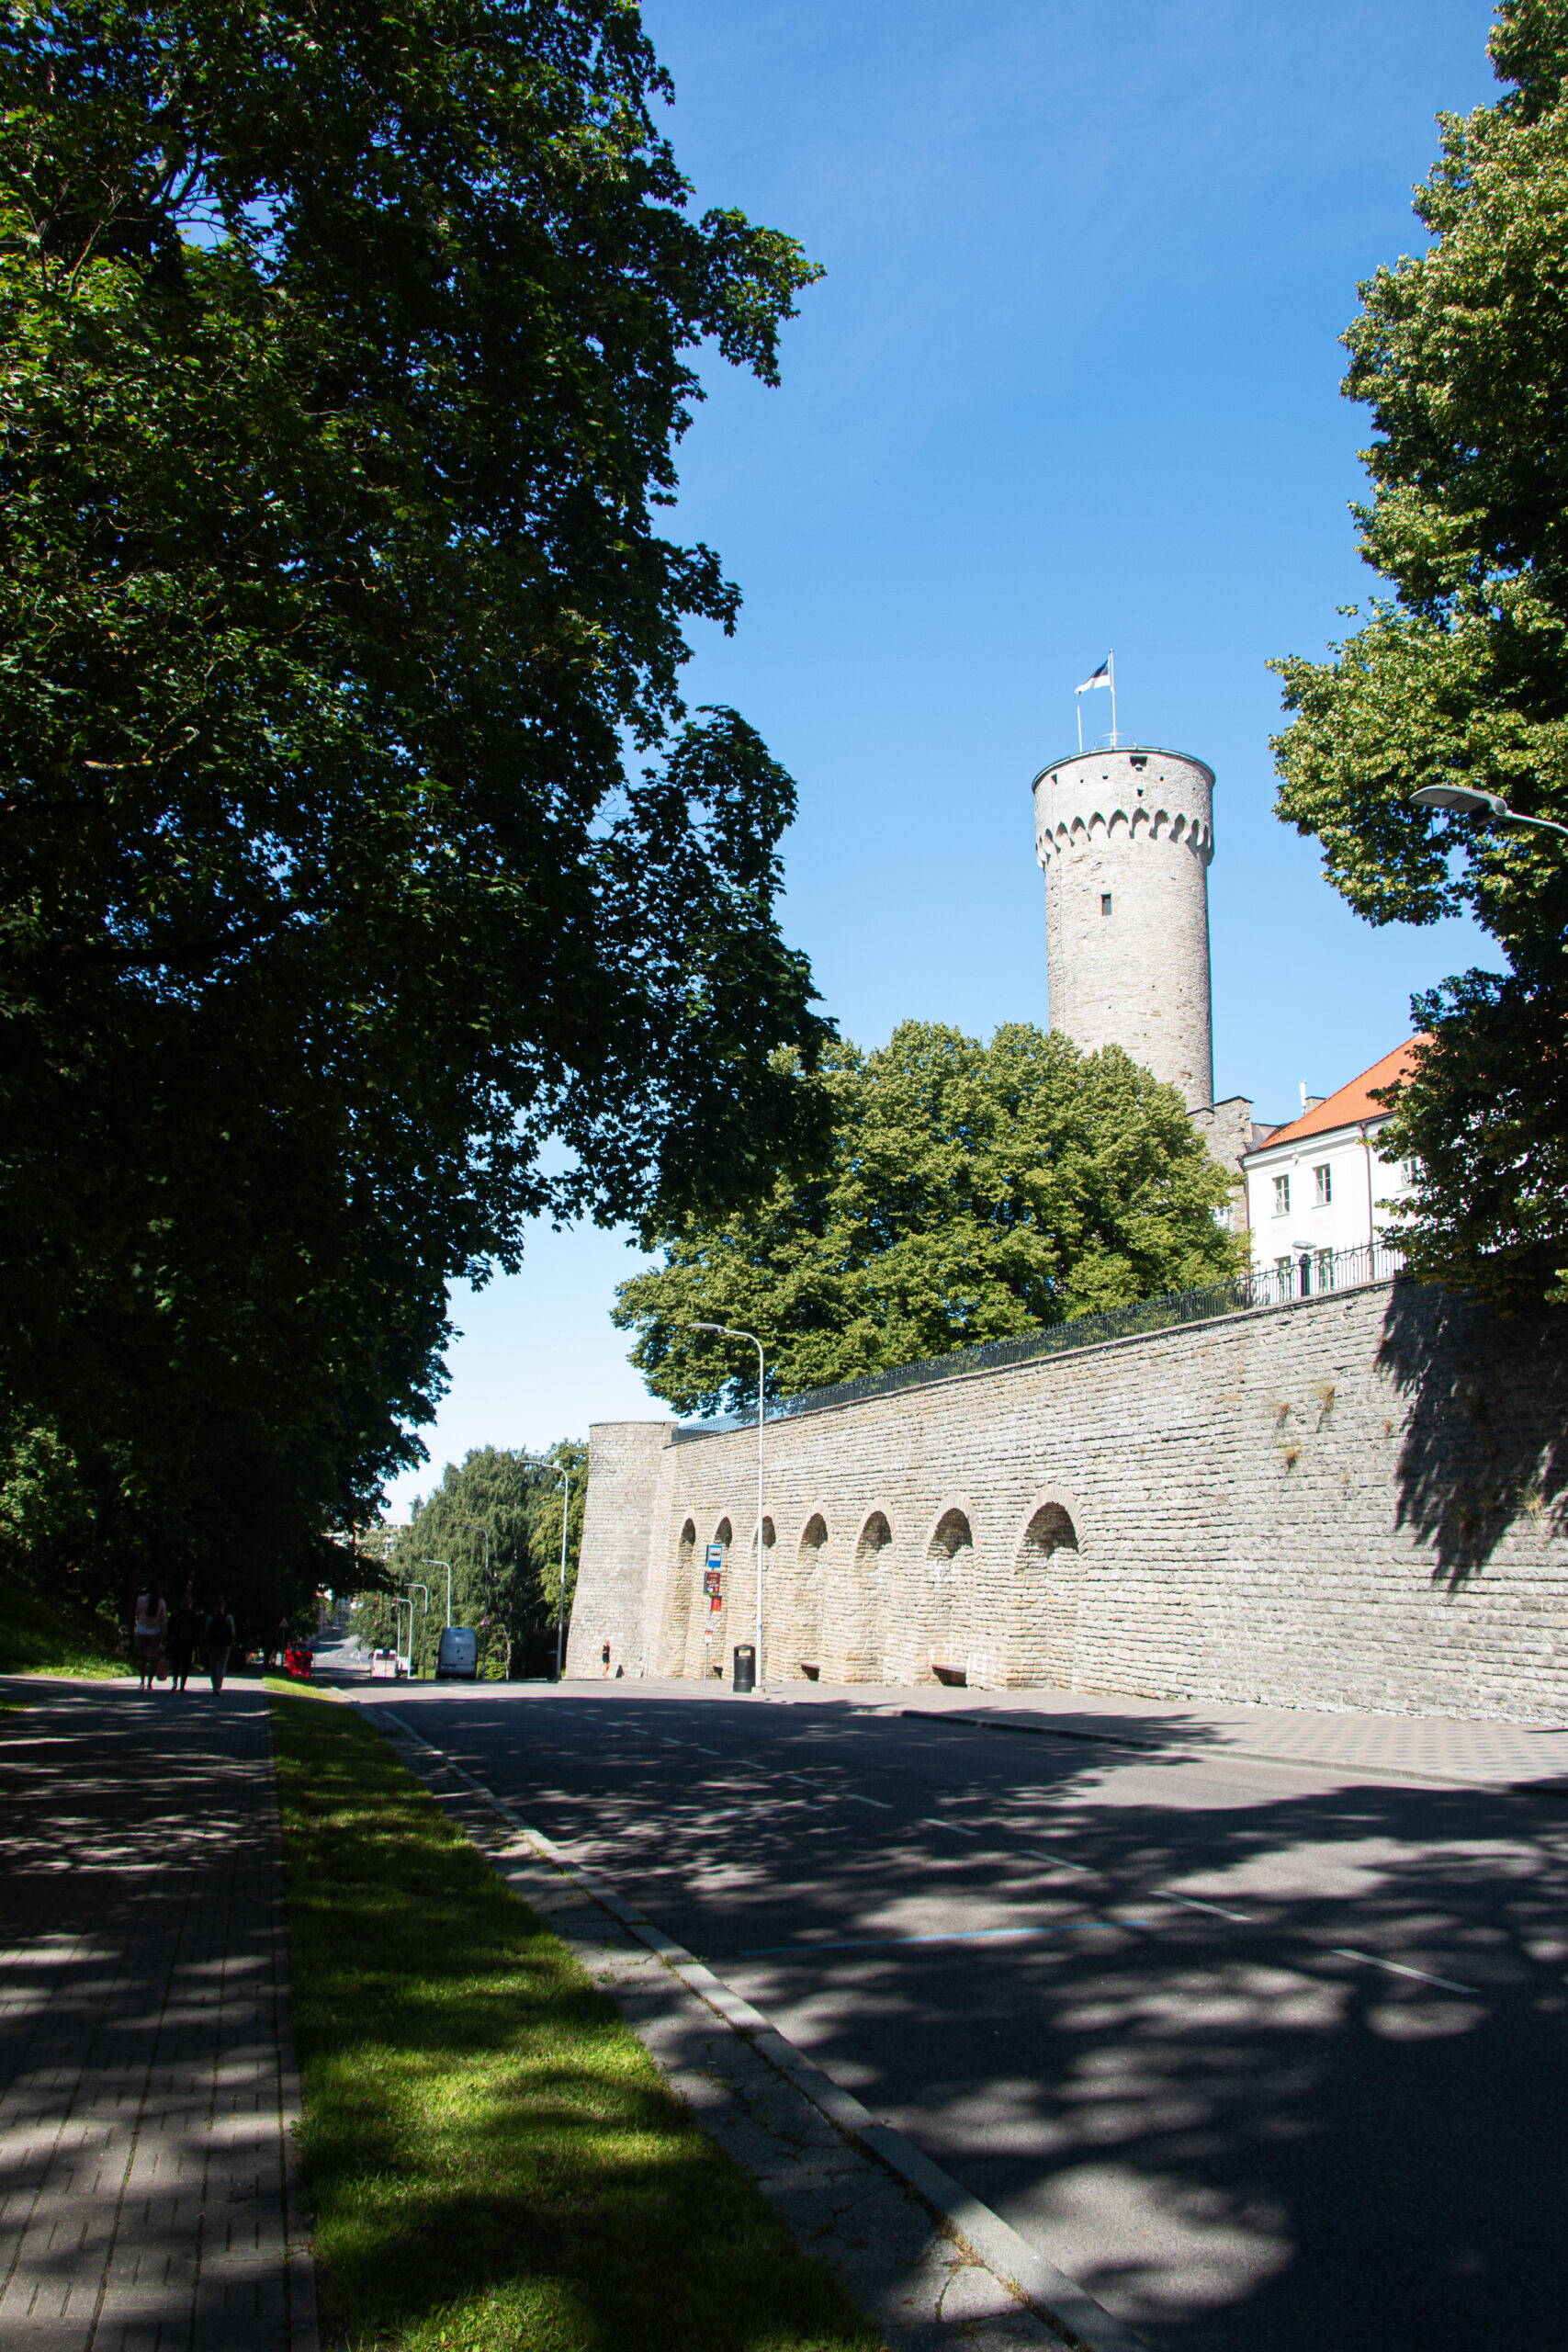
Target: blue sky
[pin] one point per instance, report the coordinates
(1071, 381)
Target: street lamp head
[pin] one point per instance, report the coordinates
(1467, 799)
(706, 1327)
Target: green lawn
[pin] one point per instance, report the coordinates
(490, 2156)
(289, 1685)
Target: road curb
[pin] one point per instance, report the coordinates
(1070, 2308)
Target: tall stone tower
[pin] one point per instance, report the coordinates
(1125, 837)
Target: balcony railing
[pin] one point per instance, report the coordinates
(1302, 1277)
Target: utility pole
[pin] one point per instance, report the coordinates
(565, 1525)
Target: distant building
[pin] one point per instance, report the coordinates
(1321, 1184)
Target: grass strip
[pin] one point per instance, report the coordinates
(492, 2159)
(290, 1686)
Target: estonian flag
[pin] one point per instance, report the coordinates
(1101, 677)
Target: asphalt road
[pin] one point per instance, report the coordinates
(1271, 2060)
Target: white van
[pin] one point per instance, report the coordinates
(458, 1659)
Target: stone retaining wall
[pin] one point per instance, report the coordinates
(1355, 1501)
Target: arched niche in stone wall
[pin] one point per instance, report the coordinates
(857, 1609)
(799, 1645)
(1043, 1614)
(949, 1555)
(1049, 1532)
(683, 1600)
(951, 1538)
(875, 1538)
(724, 1536)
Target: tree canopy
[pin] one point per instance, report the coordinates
(355, 842)
(1460, 351)
(515, 1499)
(973, 1191)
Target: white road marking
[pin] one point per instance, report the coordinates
(955, 1936)
(1397, 1968)
(1242, 1919)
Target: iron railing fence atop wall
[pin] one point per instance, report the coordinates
(1303, 1275)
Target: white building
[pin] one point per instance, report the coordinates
(1321, 1185)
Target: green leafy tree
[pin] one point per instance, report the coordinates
(513, 1498)
(1486, 1122)
(1461, 354)
(973, 1192)
(355, 842)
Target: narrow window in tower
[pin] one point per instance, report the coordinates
(1105, 903)
(1322, 1187)
(1282, 1196)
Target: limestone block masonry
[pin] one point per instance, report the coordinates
(1355, 1501)
(1126, 839)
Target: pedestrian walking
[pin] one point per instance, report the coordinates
(152, 1623)
(604, 1654)
(218, 1640)
(184, 1632)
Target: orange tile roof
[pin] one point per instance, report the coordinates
(1353, 1102)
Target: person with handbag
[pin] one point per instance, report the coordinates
(218, 1640)
(152, 1623)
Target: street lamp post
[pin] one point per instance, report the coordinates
(1469, 800)
(565, 1525)
(424, 1622)
(447, 1565)
(484, 1606)
(725, 1332)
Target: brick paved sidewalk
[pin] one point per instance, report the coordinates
(1411, 1745)
(1408, 1746)
(146, 2084)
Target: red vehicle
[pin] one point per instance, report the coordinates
(298, 1660)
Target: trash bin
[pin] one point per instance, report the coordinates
(745, 1667)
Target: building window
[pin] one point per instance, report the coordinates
(1322, 1186)
(1410, 1172)
(1282, 1196)
(1105, 903)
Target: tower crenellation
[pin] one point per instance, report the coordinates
(1125, 836)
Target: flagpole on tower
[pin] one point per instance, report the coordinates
(1104, 676)
(1111, 657)
(1078, 705)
